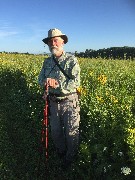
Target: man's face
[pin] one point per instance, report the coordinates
(56, 45)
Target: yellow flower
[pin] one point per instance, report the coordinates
(81, 90)
(113, 99)
(132, 134)
(132, 131)
(100, 99)
(102, 79)
(90, 73)
(127, 107)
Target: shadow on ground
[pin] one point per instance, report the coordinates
(20, 127)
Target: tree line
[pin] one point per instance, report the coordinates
(127, 53)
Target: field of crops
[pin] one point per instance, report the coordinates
(107, 128)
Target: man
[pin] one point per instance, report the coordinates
(61, 72)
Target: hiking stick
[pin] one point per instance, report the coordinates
(44, 138)
(43, 149)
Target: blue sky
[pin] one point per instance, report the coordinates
(89, 24)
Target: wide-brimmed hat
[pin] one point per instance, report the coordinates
(55, 33)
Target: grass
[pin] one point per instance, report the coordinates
(107, 128)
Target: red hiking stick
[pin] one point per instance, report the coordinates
(44, 135)
(44, 132)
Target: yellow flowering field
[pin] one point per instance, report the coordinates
(107, 128)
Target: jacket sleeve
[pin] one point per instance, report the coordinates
(71, 85)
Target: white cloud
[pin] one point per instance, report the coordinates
(6, 29)
(4, 33)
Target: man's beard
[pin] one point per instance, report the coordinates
(55, 50)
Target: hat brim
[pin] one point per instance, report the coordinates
(64, 37)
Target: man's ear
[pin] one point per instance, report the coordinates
(63, 43)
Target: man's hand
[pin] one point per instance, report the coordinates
(52, 83)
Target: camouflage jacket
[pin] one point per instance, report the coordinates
(50, 70)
